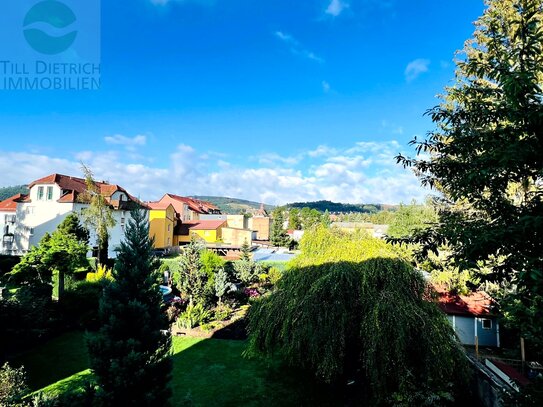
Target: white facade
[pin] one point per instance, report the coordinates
(7, 228)
(43, 213)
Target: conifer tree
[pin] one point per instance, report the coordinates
(130, 353)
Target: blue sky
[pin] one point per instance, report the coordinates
(272, 101)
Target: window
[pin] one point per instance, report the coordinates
(29, 210)
(31, 231)
(487, 323)
(49, 193)
(40, 193)
(9, 219)
(169, 227)
(169, 242)
(122, 224)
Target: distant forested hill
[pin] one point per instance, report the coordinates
(234, 206)
(336, 207)
(6, 192)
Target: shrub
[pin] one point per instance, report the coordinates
(193, 316)
(274, 275)
(222, 312)
(12, 385)
(102, 273)
(247, 271)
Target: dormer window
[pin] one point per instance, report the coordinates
(40, 193)
(49, 193)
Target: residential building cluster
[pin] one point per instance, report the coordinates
(174, 220)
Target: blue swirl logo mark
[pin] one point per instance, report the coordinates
(56, 14)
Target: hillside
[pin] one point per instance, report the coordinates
(337, 207)
(6, 192)
(234, 206)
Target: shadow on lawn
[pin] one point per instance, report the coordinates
(212, 372)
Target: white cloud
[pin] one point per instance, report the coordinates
(336, 7)
(129, 143)
(365, 172)
(296, 47)
(326, 87)
(415, 68)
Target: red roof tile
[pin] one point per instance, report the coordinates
(207, 224)
(159, 206)
(194, 205)
(477, 304)
(73, 187)
(10, 204)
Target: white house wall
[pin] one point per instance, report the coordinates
(38, 217)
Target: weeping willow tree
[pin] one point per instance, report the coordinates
(372, 320)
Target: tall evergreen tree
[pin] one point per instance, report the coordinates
(130, 354)
(278, 236)
(485, 157)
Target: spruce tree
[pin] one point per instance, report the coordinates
(130, 354)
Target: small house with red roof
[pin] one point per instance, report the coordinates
(51, 199)
(472, 316)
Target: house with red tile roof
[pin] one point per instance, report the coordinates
(8, 210)
(51, 199)
(189, 209)
(473, 316)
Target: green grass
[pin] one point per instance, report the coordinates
(207, 372)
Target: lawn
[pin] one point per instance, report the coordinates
(207, 372)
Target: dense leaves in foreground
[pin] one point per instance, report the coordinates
(485, 156)
(129, 354)
(371, 320)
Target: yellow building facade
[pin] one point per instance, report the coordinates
(161, 225)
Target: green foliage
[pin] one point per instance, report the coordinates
(129, 354)
(247, 271)
(12, 386)
(98, 215)
(323, 245)
(71, 225)
(336, 207)
(7, 263)
(278, 235)
(222, 312)
(103, 273)
(245, 251)
(194, 282)
(193, 316)
(274, 275)
(211, 262)
(336, 318)
(222, 284)
(7, 192)
(59, 252)
(350, 307)
(485, 157)
(294, 221)
(411, 218)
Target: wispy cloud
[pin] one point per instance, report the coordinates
(129, 143)
(336, 7)
(296, 47)
(326, 87)
(416, 68)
